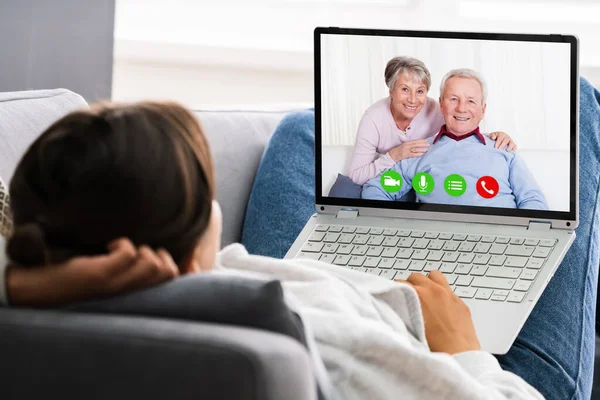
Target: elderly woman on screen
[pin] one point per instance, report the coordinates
(395, 127)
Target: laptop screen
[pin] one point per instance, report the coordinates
(428, 121)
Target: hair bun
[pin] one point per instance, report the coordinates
(27, 245)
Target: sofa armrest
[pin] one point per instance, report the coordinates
(74, 356)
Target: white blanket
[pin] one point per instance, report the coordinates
(370, 335)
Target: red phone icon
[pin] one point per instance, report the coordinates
(487, 187)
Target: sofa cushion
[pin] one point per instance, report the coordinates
(209, 297)
(24, 116)
(5, 214)
(345, 187)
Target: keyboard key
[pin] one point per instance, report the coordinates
(459, 236)
(479, 270)
(360, 269)
(345, 249)
(360, 250)
(493, 283)
(390, 241)
(497, 260)
(515, 297)
(466, 247)
(531, 242)
(330, 248)
(542, 252)
(417, 234)
(349, 229)
(547, 242)
(432, 266)
(522, 286)
(374, 251)
(388, 274)
(518, 262)
(389, 252)
(341, 260)
(450, 256)
(483, 294)
(524, 251)
(312, 247)
(362, 231)
(420, 254)
(451, 278)
(448, 267)
(346, 238)
(464, 280)
(356, 261)
(515, 240)
(502, 240)
(416, 265)
(529, 274)
(402, 275)
(420, 244)
(387, 263)
(335, 228)
(403, 233)
(436, 245)
(375, 231)
(482, 248)
(404, 253)
(371, 262)
(466, 292)
(311, 256)
(488, 239)
(499, 292)
(431, 235)
(390, 232)
(445, 236)
(374, 271)
(321, 228)
(481, 259)
(328, 258)
(498, 249)
(405, 242)
(375, 240)
(331, 237)
(316, 237)
(473, 238)
(535, 263)
(496, 297)
(463, 269)
(360, 239)
(503, 272)
(401, 264)
(466, 258)
(451, 245)
(435, 255)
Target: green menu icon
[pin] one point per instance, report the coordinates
(455, 185)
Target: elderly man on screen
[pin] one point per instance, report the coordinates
(460, 149)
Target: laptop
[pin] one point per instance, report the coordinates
(496, 223)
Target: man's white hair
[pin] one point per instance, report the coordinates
(464, 73)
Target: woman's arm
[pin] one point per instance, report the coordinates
(365, 163)
(123, 269)
(503, 140)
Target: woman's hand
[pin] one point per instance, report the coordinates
(410, 148)
(448, 324)
(123, 269)
(502, 139)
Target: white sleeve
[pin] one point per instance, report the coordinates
(3, 268)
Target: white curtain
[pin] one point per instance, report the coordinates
(528, 83)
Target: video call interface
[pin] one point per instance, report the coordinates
(446, 121)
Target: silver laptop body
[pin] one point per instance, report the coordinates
(499, 260)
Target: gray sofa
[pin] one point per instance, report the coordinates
(102, 355)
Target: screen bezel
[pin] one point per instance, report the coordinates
(559, 219)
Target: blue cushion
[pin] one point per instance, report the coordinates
(345, 187)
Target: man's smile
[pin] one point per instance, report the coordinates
(461, 118)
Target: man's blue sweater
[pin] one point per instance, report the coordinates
(471, 159)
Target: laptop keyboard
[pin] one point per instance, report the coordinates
(484, 267)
